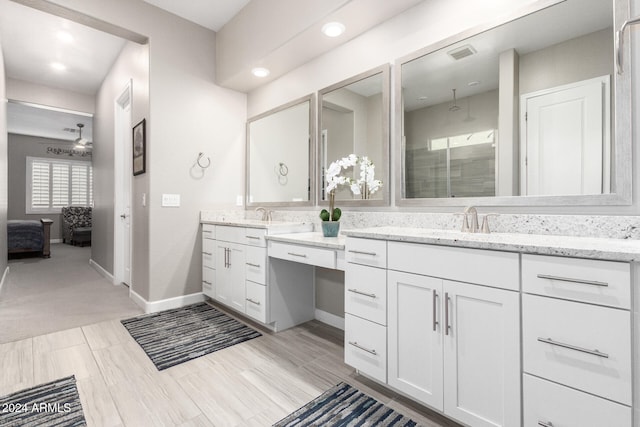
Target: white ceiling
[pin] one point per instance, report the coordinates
(212, 14)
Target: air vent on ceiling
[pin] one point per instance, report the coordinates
(72, 130)
(462, 52)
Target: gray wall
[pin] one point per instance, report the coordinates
(19, 147)
(3, 170)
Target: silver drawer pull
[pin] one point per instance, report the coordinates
(570, 280)
(545, 423)
(355, 291)
(298, 255)
(252, 237)
(362, 252)
(356, 345)
(573, 347)
(253, 265)
(252, 301)
(207, 253)
(207, 283)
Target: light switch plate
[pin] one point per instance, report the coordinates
(170, 200)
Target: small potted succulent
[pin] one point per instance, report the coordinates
(365, 186)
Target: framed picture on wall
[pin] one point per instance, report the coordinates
(139, 148)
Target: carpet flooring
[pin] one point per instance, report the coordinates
(41, 295)
(54, 404)
(343, 406)
(175, 336)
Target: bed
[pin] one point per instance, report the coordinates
(29, 236)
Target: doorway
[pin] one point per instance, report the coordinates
(122, 173)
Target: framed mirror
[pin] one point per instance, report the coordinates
(354, 119)
(280, 156)
(528, 112)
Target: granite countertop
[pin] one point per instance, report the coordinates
(579, 247)
(311, 239)
(272, 227)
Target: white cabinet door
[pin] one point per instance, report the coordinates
(223, 282)
(415, 337)
(481, 355)
(230, 270)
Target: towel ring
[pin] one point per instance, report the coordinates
(284, 169)
(200, 158)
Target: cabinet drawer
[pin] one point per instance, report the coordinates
(598, 282)
(365, 347)
(484, 267)
(255, 237)
(584, 346)
(255, 264)
(208, 277)
(366, 251)
(208, 253)
(208, 231)
(366, 293)
(303, 254)
(256, 296)
(550, 404)
(227, 233)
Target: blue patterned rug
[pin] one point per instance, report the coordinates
(175, 336)
(53, 404)
(343, 406)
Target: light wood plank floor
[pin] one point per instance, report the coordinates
(255, 383)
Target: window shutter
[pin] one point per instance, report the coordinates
(79, 185)
(40, 185)
(60, 185)
(53, 184)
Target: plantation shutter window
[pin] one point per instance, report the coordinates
(53, 184)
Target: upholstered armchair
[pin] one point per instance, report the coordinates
(76, 224)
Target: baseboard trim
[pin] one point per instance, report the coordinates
(165, 304)
(4, 276)
(104, 273)
(329, 319)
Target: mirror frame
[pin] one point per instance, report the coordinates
(311, 99)
(622, 125)
(385, 70)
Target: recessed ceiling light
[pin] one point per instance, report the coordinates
(260, 72)
(65, 37)
(58, 66)
(333, 29)
(474, 83)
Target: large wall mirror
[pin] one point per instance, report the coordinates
(354, 119)
(530, 112)
(280, 156)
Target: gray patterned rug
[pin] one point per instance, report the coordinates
(175, 336)
(53, 404)
(343, 406)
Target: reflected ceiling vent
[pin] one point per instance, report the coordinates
(72, 130)
(462, 52)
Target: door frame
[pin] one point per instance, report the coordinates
(122, 157)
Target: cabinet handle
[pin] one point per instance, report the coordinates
(252, 301)
(435, 299)
(573, 347)
(355, 291)
(298, 255)
(356, 345)
(252, 237)
(207, 253)
(207, 231)
(353, 251)
(570, 280)
(229, 257)
(207, 283)
(447, 327)
(545, 423)
(253, 265)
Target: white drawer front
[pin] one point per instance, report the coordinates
(208, 280)
(491, 268)
(208, 231)
(366, 292)
(365, 346)
(256, 301)
(550, 404)
(303, 254)
(255, 264)
(366, 251)
(208, 253)
(255, 237)
(231, 234)
(599, 282)
(590, 347)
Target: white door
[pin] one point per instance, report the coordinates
(223, 273)
(566, 134)
(122, 170)
(415, 334)
(481, 355)
(236, 263)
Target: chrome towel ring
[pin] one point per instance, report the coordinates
(200, 160)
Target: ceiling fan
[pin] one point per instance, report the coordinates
(80, 141)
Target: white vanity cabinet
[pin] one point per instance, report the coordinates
(455, 346)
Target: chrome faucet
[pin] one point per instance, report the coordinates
(266, 213)
(473, 212)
